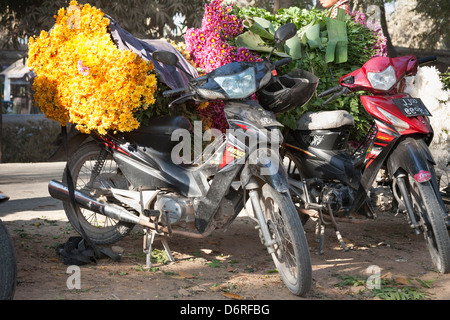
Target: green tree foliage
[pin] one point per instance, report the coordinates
(438, 11)
(143, 18)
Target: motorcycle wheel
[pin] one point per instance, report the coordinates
(292, 166)
(99, 228)
(8, 266)
(444, 188)
(291, 255)
(432, 217)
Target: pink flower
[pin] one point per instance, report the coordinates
(83, 70)
(209, 49)
(380, 44)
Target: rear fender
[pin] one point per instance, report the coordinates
(74, 139)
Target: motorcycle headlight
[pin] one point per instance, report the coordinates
(239, 85)
(383, 80)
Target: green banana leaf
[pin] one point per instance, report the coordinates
(311, 35)
(262, 27)
(293, 47)
(337, 41)
(253, 41)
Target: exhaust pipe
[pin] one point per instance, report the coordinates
(61, 192)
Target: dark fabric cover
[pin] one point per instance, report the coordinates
(172, 76)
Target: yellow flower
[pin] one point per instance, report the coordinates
(83, 78)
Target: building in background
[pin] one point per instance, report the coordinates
(16, 89)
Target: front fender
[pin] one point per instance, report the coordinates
(413, 156)
(267, 166)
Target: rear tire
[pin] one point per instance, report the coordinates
(444, 188)
(99, 228)
(432, 219)
(8, 265)
(291, 256)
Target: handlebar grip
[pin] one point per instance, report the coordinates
(174, 92)
(329, 91)
(426, 59)
(282, 62)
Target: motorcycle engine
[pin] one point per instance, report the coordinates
(176, 209)
(340, 197)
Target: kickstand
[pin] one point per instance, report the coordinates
(149, 237)
(336, 230)
(320, 231)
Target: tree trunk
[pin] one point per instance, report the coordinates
(389, 47)
(277, 4)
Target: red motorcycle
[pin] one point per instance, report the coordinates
(392, 169)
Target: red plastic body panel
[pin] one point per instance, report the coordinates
(416, 124)
(403, 66)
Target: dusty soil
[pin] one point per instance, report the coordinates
(226, 266)
(231, 265)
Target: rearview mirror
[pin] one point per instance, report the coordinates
(285, 32)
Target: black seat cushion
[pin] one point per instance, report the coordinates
(158, 132)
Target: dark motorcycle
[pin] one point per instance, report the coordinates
(8, 265)
(133, 178)
(392, 169)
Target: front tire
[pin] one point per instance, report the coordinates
(291, 255)
(432, 219)
(8, 265)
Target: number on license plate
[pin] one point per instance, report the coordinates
(412, 107)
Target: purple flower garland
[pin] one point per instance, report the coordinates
(209, 50)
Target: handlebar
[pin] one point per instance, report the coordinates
(329, 91)
(174, 92)
(426, 59)
(335, 91)
(282, 62)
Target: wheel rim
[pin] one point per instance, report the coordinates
(284, 256)
(108, 175)
(421, 213)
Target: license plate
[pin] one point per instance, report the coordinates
(411, 107)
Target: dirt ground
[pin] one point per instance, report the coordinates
(230, 265)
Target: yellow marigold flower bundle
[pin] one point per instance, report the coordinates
(83, 78)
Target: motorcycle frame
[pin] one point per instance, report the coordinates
(146, 168)
(384, 148)
(388, 147)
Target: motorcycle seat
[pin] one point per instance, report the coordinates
(158, 132)
(323, 120)
(164, 125)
